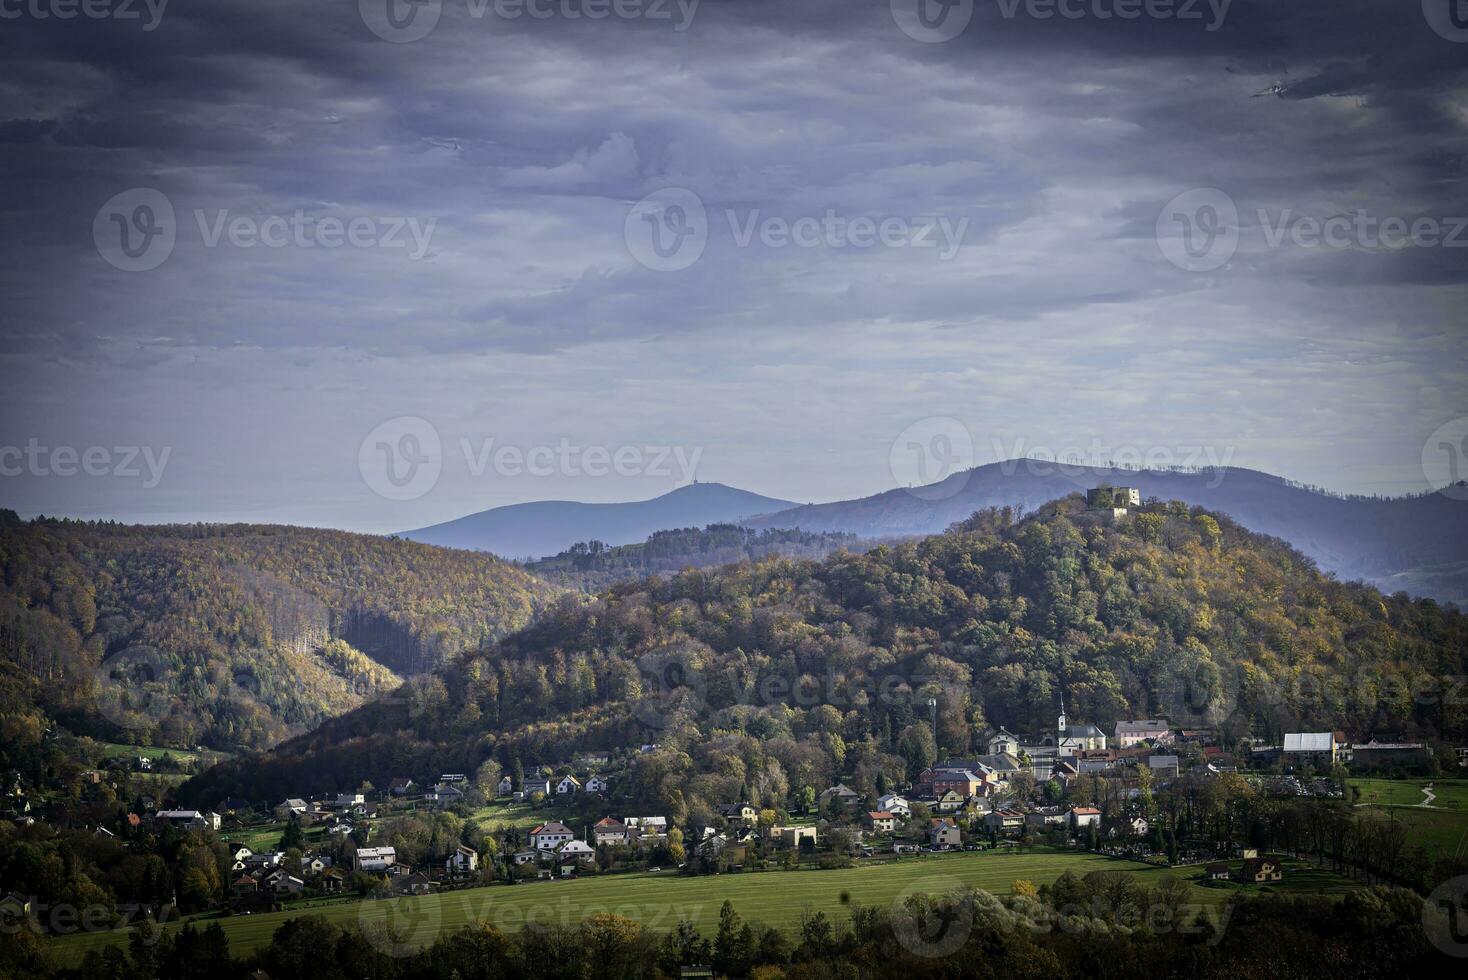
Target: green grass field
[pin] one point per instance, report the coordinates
(111, 750)
(504, 814)
(660, 901)
(1441, 828)
(1451, 794)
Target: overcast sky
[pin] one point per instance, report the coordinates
(871, 230)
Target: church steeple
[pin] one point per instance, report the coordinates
(1061, 722)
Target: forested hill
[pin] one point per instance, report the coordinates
(758, 680)
(1415, 544)
(593, 565)
(230, 636)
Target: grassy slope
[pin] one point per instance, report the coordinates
(661, 900)
(1441, 829)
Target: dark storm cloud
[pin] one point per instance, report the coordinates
(1052, 145)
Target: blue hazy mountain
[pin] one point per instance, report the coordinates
(547, 527)
(1417, 544)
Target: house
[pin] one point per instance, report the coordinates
(190, 819)
(524, 857)
(950, 801)
(290, 808)
(1382, 755)
(1003, 742)
(444, 794)
(244, 885)
(504, 787)
(575, 850)
(400, 786)
(464, 861)
(901, 847)
(1084, 816)
(608, 831)
(568, 784)
(14, 907)
(1046, 816)
(332, 881)
(1154, 730)
(349, 799)
(413, 884)
(537, 785)
(315, 865)
(943, 834)
(794, 837)
(242, 853)
(964, 782)
(1004, 820)
(880, 821)
(1315, 748)
(374, 859)
(287, 885)
(549, 836)
(895, 805)
(1138, 826)
(646, 827)
(843, 795)
(738, 813)
(1257, 870)
(1163, 766)
(1217, 872)
(596, 784)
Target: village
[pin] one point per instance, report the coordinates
(1074, 787)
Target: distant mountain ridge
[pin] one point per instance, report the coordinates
(1416, 543)
(547, 527)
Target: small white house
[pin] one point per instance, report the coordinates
(896, 805)
(568, 784)
(596, 784)
(464, 860)
(376, 858)
(549, 836)
(575, 850)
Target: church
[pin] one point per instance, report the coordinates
(1044, 753)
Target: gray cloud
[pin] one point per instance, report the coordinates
(1056, 142)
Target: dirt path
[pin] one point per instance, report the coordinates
(1428, 796)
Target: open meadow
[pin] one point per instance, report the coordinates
(660, 901)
